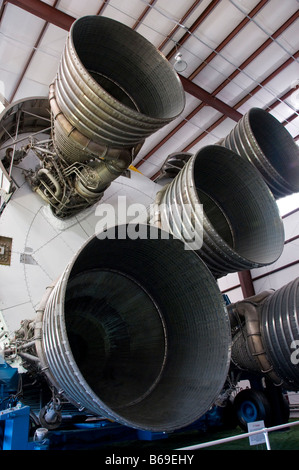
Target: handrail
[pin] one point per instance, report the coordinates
(240, 436)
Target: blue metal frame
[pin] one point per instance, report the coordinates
(16, 427)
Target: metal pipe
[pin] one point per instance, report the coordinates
(239, 436)
(223, 199)
(38, 332)
(264, 141)
(252, 338)
(29, 357)
(136, 330)
(246, 283)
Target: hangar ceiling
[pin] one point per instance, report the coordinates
(239, 54)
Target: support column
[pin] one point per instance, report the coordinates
(246, 284)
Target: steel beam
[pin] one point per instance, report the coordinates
(246, 284)
(45, 12)
(210, 100)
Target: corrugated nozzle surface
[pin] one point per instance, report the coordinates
(137, 331)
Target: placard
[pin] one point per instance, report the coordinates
(256, 438)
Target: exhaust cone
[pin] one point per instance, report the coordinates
(241, 226)
(264, 141)
(137, 331)
(113, 89)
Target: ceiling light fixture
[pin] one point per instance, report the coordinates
(180, 65)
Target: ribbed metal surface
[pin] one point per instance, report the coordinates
(280, 332)
(242, 228)
(137, 330)
(113, 86)
(265, 142)
(241, 355)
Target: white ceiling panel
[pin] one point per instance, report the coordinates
(78, 8)
(205, 117)
(20, 26)
(124, 12)
(215, 73)
(286, 79)
(266, 62)
(26, 87)
(53, 41)
(147, 29)
(274, 14)
(289, 40)
(240, 47)
(196, 13)
(224, 18)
